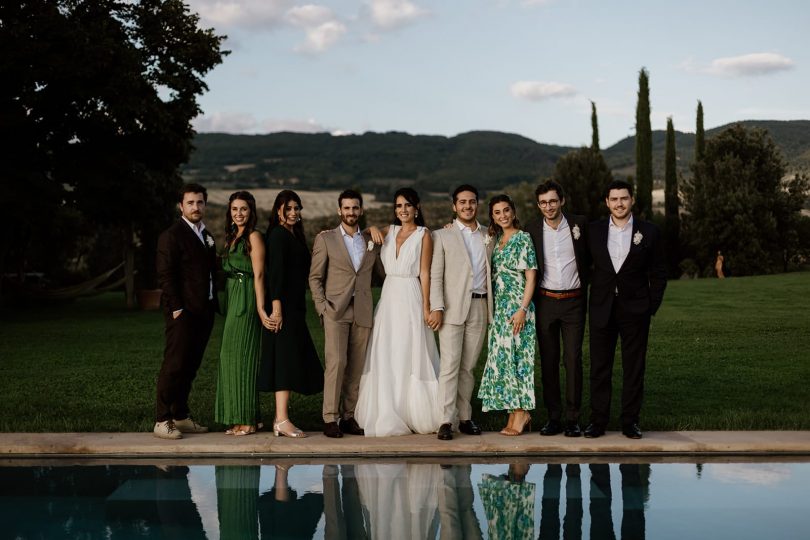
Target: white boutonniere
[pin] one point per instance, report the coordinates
(487, 240)
(370, 245)
(209, 241)
(575, 232)
(637, 238)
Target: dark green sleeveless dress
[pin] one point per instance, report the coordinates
(237, 396)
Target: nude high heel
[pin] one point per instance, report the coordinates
(279, 432)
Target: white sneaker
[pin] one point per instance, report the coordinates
(189, 426)
(166, 430)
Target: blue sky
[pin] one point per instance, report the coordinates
(529, 67)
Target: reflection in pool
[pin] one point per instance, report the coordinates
(406, 500)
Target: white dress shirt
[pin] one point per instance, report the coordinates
(199, 232)
(618, 242)
(559, 261)
(474, 242)
(354, 245)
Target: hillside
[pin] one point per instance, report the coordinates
(375, 162)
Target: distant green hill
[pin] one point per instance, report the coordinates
(791, 136)
(377, 162)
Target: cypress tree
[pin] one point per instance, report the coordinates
(700, 136)
(672, 223)
(594, 129)
(644, 180)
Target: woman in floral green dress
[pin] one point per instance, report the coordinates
(237, 401)
(508, 380)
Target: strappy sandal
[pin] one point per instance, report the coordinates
(295, 433)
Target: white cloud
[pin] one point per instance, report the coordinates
(538, 90)
(309, 15)
(244, 123)
(252, 14)
(750, 64)
(322, 28)
(394, 13)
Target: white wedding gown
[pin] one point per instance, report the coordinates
(401, 500)
(399, 386)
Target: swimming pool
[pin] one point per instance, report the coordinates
(569, 498)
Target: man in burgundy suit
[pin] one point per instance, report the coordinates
(627, 287)
(186, 262)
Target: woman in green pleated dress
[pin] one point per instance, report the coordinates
(237, 404)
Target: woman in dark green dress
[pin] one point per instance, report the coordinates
(237, 403)
(290, 362)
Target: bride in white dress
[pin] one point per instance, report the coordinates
(399, 386)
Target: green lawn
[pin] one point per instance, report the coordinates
(724, 354)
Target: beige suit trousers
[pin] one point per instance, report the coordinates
(460, 346)
(345, 349)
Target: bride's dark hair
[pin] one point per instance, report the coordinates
(412, 197)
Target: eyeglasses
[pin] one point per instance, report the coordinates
(552, 203)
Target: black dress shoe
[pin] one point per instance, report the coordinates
(593, 431)
(552, 427)
(468, 427)
(331, 429)
(445, 432)
(631, 431)
(351, 427)
(572, 430)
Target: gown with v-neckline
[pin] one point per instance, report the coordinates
(399, 386)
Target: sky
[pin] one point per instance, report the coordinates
(529, 67)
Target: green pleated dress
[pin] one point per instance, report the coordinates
(237, 396)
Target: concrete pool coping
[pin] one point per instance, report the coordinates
(489, 445)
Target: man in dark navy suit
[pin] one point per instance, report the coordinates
(186, 262)
(627, 286)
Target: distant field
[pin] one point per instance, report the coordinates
(316, 203)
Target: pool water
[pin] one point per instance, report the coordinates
(412, 500)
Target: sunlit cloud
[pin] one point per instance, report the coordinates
(388, 14)
(250, 14)
(245, 123)
(750, 65)
(321, 26)
(539, 90)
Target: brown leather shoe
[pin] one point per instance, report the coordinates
(351, 427)
(331, 429)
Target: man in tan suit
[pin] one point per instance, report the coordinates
(461, 306)
(340, 280)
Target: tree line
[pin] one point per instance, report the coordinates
(737, 198)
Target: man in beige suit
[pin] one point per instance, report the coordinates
(340, 279)
(461, 306)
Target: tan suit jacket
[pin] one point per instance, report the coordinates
(451, 276)
(333, 281)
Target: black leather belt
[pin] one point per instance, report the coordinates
(479, 295)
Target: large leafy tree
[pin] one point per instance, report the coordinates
(584, 175)
(746, 206)
(644, 169)
(100, 94)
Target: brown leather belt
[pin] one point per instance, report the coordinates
(479, 295)
(561, 295)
